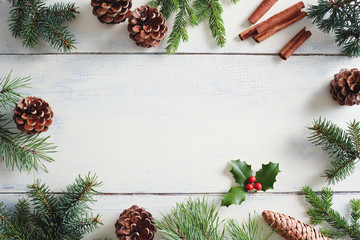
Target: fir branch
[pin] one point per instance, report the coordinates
(32, 19)
(9, 95)
(193, 219)
(248, 230)
(321, 211)
(343, 147)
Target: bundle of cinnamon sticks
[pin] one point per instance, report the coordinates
(272, 25)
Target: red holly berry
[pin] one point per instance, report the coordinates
(252, 179)
(258, 186)
(249, 187)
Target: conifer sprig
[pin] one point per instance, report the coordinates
(322, 211)
(343, 147)
(193, 12)
(341, 17)
(17, 150)
(51, 217)
(31, 20)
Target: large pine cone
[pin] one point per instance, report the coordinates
(147, 26)
(291, 228)
(345, 87)
(111, 11)
(33, 115)
(135, 223)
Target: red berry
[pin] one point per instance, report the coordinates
(249, 187)
(252, 179)
(258, 186)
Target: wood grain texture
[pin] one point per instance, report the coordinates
(93, 36)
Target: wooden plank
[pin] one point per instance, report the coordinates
(93, 36)
(110, 207)
(154, 124)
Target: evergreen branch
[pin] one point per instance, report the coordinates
(343, 147)
(8, 93)
(62, 12)
(322, 211)
(194, 219)
(16, 19)
(248, 230)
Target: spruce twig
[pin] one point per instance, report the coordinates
(31, 20)
(322, 211)
(343, 147)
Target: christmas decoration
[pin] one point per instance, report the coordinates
(18, 150)
(322, 211)
(248, 230)
(343, 147)
(111, 11)
(135, 223)
(33, 115)
(291, 228)
(342, 18)
(52, 216)
(147, 26)
(249, 187)
(193, 13)
(242, 172)
(261, 10)
(252, 179)
(294, 44)
(31, 20)
(193, 219)
(345, 87)
(258, 186)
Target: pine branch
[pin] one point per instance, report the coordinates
(322, 211)
(32, 19)
(248, 230)
(343, 147)
(8, 93)
(194, 219)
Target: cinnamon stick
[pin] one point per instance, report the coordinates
(261, 37)
(279, 18)
(261, 10)
(294, 44)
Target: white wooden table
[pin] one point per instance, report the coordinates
(158, 129)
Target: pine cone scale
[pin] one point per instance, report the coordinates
(345, 87)
(111, 11)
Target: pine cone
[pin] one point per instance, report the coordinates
(290, 228)
(147, 26)
(135, 223)
(111, 11)
(33, 115)
(345, 87)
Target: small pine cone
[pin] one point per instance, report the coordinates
(33, 115)
(345, 87)
(147, 26)
(291, 228)
(135, 223)
(111, 11)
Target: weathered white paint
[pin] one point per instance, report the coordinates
(93, 36)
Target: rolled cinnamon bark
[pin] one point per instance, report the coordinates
(247, 33)
(280, 17)
(261, 37)
(294, 44)
(261, 10)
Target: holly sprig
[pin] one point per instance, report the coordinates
(243, 174)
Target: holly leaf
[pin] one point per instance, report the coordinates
(236, 195)
(267, 175)
(241, 171)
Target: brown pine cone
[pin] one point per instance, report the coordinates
(111, 11)
(291, 228)
(147, 26)
(135, 223)
(33, 115)
(345, 87)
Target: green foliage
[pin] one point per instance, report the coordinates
(47, 216)
(343, 147)
(241, 172)
(341, 17)
(194, 219)
(17, 150)
(322, 211)
(248, 230)
(194, 13)
(31, 20)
